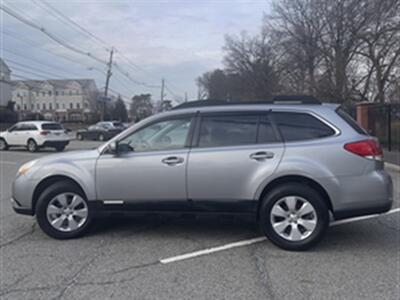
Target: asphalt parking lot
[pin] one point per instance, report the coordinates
(140, 258)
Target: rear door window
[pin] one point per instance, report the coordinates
(301, 126)
(228, 130)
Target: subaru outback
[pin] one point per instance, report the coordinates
(294, 164)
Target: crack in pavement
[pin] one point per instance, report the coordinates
(140, 266)
(16, 239)
(263, 273)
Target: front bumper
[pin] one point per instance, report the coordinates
(19, 209)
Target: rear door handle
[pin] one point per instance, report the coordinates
(172, 160)
(262, 155)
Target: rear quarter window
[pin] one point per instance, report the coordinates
(301, 126)
(350, 121)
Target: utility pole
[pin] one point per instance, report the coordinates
(186, 97)
(109, 73)
(162, 94)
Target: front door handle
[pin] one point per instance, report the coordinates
(172, 160)
(262, 155)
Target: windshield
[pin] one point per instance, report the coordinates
(52, 126)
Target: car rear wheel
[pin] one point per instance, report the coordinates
(63, 212)
(3, 145)
(294, 216)
(32, 146)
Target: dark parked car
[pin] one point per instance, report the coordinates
(101, 131)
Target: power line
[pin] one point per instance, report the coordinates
(39, 62)
(63, 56)
(127, 75)
(46, 73)
(66, 20)
(46, 32)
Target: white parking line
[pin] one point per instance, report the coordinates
(258, 240)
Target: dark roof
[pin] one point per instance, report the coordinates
(59, 83)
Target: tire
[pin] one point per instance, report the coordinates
(3, 145)
(286, 229)
(49, 208)
(32, 146)
(79, 137)
(101, 137)
(60, 148)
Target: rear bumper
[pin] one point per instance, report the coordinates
(55, 144)
(365, 195)
(385, 206)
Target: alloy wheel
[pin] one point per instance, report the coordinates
(67, 212)
(293, 218)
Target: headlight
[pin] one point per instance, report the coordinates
(26, 167)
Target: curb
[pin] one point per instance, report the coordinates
(392, 167)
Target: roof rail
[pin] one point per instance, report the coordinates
(282, 99)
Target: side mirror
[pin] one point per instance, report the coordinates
(113, 147)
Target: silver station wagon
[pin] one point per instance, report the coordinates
(293, 163)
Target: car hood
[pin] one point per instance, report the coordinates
(76, 155)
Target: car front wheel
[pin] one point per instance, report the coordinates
(294, 216)
(62, 211)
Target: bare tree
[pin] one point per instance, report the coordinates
(381, 46)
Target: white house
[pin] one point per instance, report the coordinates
(5, 84)
(60, 100)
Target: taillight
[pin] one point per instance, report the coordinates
(44, 132)
(370, 149)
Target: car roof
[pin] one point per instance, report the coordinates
(38, 122)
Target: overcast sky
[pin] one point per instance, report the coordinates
(177, 40)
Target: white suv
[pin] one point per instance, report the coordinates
(35, 135)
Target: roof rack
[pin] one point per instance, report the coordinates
(282, 99)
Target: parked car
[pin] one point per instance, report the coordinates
(101, 131)
(288, 165)
(34, 135)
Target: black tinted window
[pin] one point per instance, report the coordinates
(29, 127)
(349, 120)
(301, 126)
(228, 130)
(266, 132)
(52, 126)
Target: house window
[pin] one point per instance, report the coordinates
(44, 105)
(71, 105)
(18, 95)
(49, 93)
(43, 94)
(57, 106)
(78, 106)
(25, 107)
(63, 105)
(50, 106)
(56, 93)
(85, 105)
(38, 106)
(32, 106)
(18, 107)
